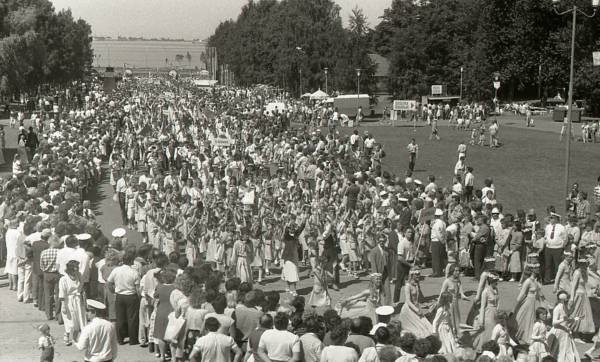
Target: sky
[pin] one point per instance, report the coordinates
(188, 19)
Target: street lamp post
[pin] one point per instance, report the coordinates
(357, 90)
(300, 54)
(574, 10)
(326, 71)
(461, 82)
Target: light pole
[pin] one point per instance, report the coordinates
(574, 10)
(325, 70)
(300, 53)
(461, 82)
(357, 89)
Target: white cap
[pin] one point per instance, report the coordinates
(495, 210)
(376, 327)
(84, 236)
(418, 182)
(402, 199)
(91, 303)
(408, 180)
(384, 310)
(439, 212)
(37, 236)
(119, 233)
(383, 193)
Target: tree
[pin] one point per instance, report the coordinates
(273, 42)
(188, 56)
(41, 46)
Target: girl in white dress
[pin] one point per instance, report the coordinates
(538, 348)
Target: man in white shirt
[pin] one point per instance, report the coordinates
(124, 280)
(98, 338)
(405, 257)
(120, 189)
(413, 149)
(214, 346)
(469, 182)
(278, 345)
(438, 243)
(72, 251)
(555, 237)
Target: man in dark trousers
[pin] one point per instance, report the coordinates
(480, 240)
(32, 142)
(39, 243)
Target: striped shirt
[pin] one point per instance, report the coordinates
(48, 260)
(597, 194)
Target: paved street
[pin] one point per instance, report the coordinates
(18, 322)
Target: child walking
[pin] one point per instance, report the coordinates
(46, 344)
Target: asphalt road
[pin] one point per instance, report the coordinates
(18, 322)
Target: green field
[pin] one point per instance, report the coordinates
(528, 170)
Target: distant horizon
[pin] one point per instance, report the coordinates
(136, 38)
(179, 19)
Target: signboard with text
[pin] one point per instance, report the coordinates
(437, 90)
(404, 105)
(222, 142)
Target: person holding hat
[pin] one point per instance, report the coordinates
(71, 295)
(581, 306)
(98, 338)
(555, 239)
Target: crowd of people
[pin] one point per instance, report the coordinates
(225, 194)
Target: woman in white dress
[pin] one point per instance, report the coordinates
(567, 351)
(412, 316)
(72, 301)
(11, 238)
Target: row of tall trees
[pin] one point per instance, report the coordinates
(39, 45)
(427, 42)
(286, 42)
(524, 41)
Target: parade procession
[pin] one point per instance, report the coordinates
(188, 209)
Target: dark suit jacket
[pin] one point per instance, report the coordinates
(37, 247)
(393, 252)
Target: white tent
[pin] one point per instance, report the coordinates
(318, 95)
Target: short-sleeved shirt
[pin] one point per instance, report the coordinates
(215, 347)
(279, 345)
(126, 280)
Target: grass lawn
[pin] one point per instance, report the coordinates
(528, 170)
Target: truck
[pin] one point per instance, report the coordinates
(348, 104)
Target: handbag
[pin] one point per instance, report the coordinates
(174, 328)
(115, 198)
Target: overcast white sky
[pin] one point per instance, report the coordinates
(178, 18)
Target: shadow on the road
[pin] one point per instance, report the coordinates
(96, 195)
